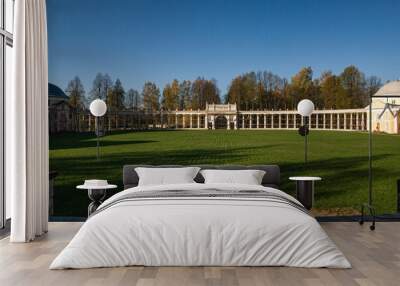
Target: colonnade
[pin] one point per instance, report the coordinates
(345, 119)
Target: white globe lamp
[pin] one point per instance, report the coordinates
(305, 108)
(98, 108)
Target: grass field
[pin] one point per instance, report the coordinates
(340, 158)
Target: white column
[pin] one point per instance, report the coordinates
(294, 121)
(176, 121)
(357, 121)
(345, 121)
(265, 121)
(316, 121)
(324, 121)
(302, 120)
(235, 118)
(243, 121)
(331, 122)
(191, 120)
(198, 120)
(337, 121)
(351, 121)
(279, 121)
(287, 120)
(228, 125)
(183, 121)
(258, 121)
(362, 121)
(206, 121)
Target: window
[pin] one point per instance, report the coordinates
(6, 61)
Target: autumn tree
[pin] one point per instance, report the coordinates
(332, 92)
(235, 92)
(210, 93)
(151, 96)
(256, 91)
(116, 96)
(353, 82)
(204, 91)
(185, 95)
(303, 86)
(169, 102)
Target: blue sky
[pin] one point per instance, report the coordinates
(155, 40)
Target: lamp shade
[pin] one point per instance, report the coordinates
(305, 107)
(98, 107)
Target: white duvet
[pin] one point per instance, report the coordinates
(199, 231)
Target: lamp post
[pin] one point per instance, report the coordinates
(305, 108)
(98, 108)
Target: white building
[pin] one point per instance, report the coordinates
(385, 111)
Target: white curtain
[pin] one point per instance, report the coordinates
(27, 120)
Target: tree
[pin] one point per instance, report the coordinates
(332, 92)
(76, 93)
(100, 87)
(133, 99)
(115, 96)
(196, 92)
(185, 95)
(210, 93)
(372, 85)
(204, 91)
(175, 94)
(302, 86)
(167, 101)
(353, 82)
(235, 92)
(151, 96)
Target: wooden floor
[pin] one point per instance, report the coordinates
(375, 257)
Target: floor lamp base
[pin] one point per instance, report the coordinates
(371, 212)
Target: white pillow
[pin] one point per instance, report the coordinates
(248, 177)
(166, 176)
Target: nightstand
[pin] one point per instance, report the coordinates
(305, 190)
(96, 193)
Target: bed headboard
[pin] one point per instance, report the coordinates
(271, 177)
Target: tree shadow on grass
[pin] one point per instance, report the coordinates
(340, 175)
(103, 143)
(72, 171)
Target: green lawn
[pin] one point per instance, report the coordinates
(340, 158)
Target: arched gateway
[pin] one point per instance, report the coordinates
(221, 122)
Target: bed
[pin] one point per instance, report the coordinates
(201, 224)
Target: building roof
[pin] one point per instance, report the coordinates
(55, 91)
(391, 88)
